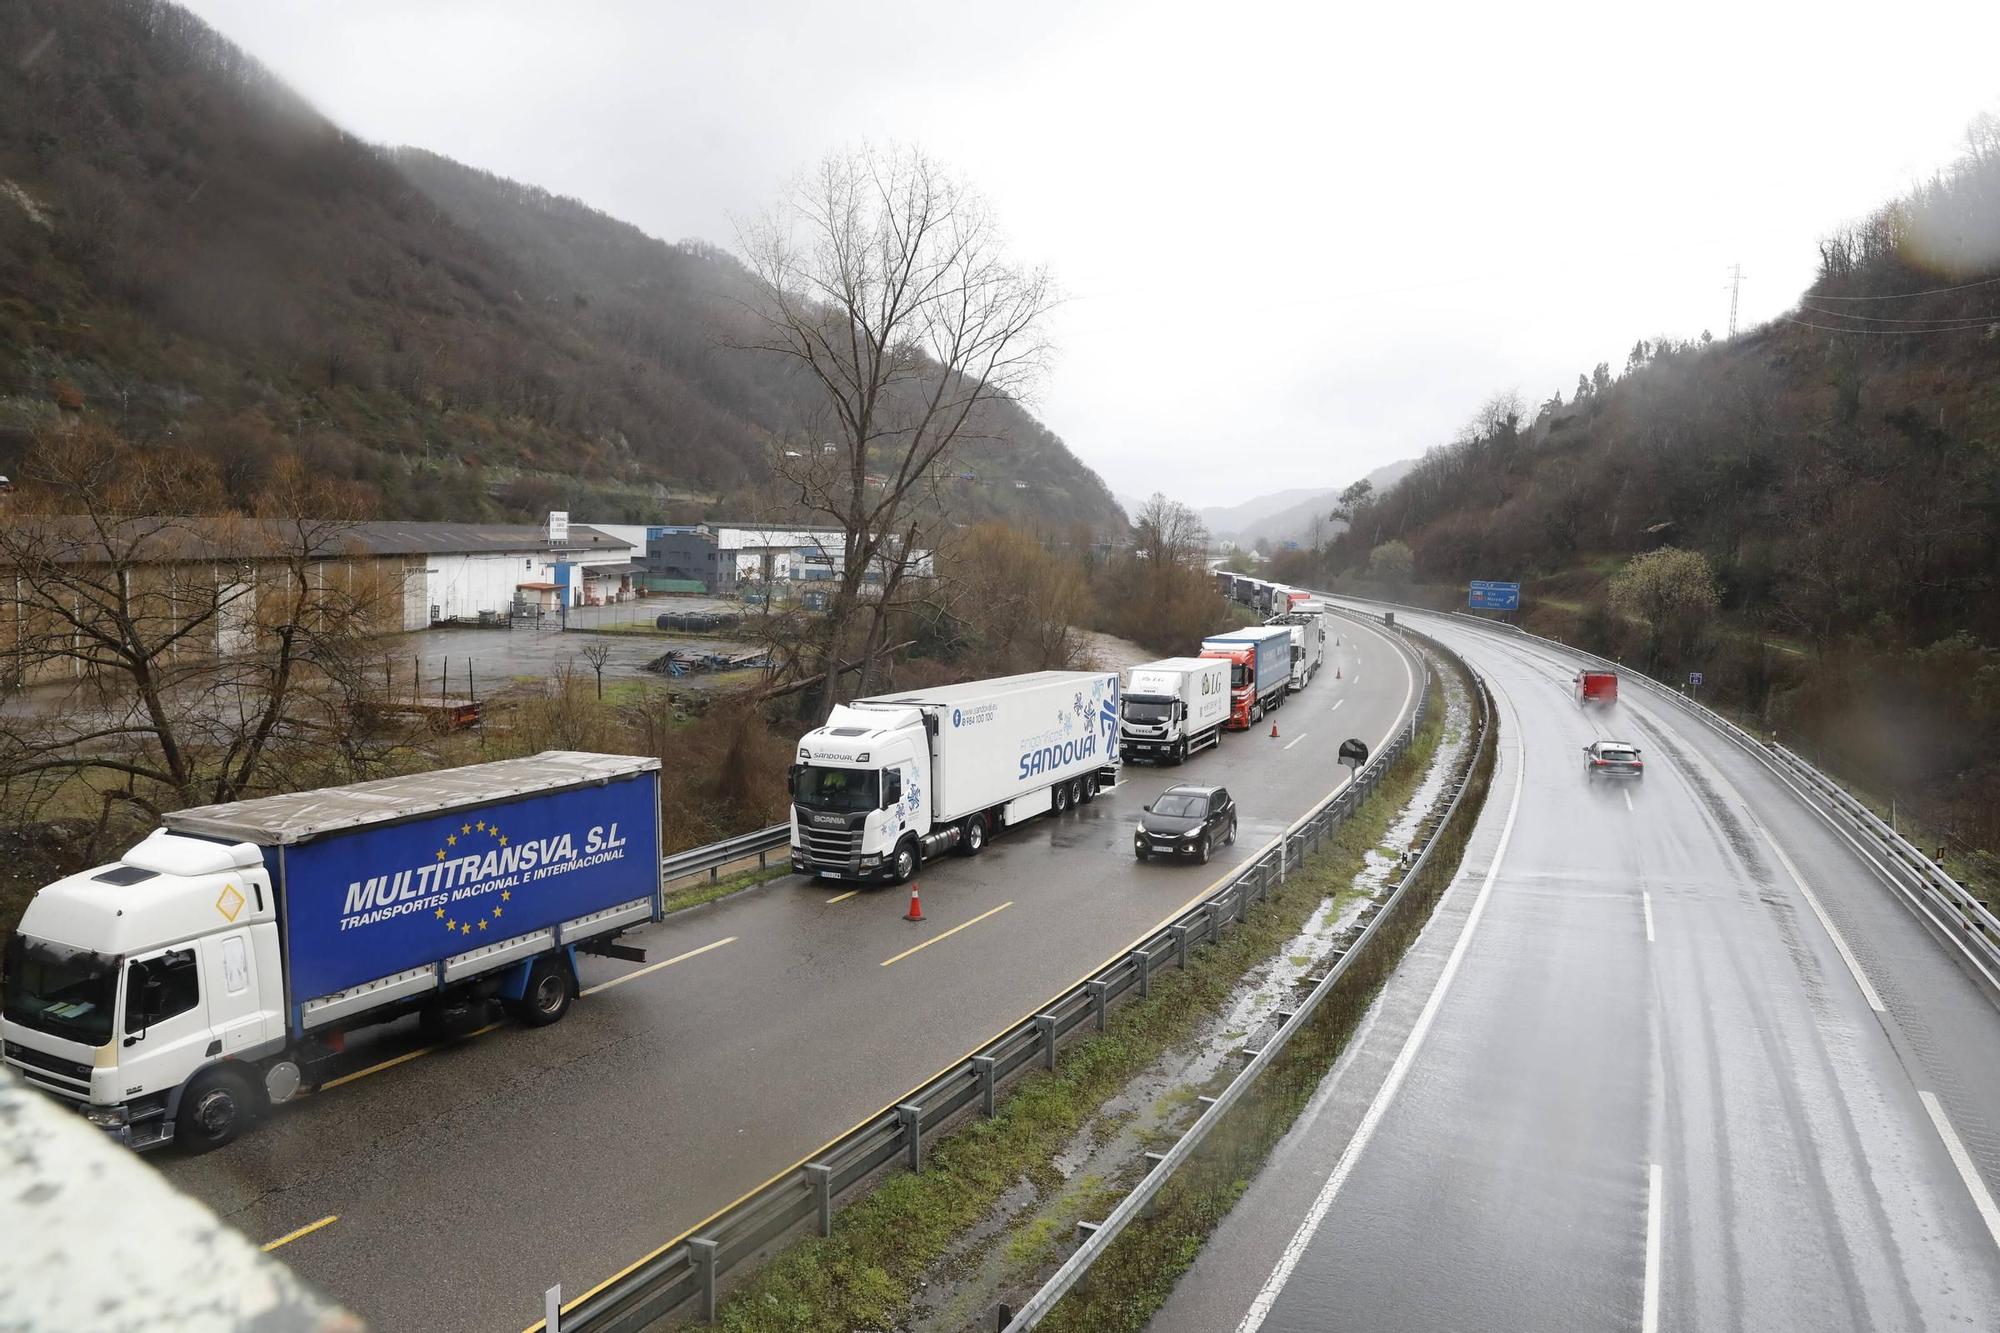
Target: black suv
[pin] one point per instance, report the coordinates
(1185, 821)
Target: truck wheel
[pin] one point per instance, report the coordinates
(1061, 797)
(216, 1106)
(1180, 753)
(974, 840)
(548, 995)
(1090, 788)
(1075, 792)
(904, 867)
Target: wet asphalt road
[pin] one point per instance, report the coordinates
(1646, 987)
(468, 1179)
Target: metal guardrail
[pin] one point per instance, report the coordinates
(688, 1271)
(1133, 1205)
(716, 855)
(1972, 925)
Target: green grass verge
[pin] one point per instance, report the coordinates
(864, 1274)
(1137, 1273)
(694, 895)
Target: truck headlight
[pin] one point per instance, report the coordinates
(105, 1117)
(871, 860)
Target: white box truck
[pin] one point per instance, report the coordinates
(894, 779)
(1173, 708)
(216, 968)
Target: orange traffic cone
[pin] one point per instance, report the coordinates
(1274, 729)
(916, 912)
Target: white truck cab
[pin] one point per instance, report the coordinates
(123, 981)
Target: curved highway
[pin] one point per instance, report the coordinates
(1671, 1055)
(466, 1178)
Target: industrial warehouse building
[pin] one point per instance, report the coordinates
(723, 558)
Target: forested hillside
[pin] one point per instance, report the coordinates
(189, 250)
(1838, 471)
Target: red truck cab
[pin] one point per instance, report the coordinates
(1596, 687)
(1242, 682)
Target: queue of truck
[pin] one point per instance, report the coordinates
(1179, 706)
(217, 967)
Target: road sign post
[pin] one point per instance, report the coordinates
(1694, 683)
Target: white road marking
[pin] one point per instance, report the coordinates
(1289, 744)
(1646, 899)
(1974, 1186)
(1812, 901)
(1336, 705)
(1260, 1308)
(1628, 799)
(1649, 1313)
(677, 958)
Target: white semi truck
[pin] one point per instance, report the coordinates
(1173, 708)
(892, 780)
(1307, 623)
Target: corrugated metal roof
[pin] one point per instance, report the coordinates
(300, 816)
(394, 537)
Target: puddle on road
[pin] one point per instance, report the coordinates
(1105, 1158)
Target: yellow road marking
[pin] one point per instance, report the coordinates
(948, 934)
(841, 897)
(654, 967)
(402, 1059)
(305, 1230)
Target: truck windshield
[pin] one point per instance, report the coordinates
(847, 789)
(1148, 710)
(1239, 675)
(59, 990)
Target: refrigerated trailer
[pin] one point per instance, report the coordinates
(891, 780)
(1173, 708)
(1260, 670)
(215, 969)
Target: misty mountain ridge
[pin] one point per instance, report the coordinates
(194, 254)
(1290, 515)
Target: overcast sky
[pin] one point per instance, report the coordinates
(1299, 241)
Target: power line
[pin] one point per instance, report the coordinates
(1885, 319)
(1735, 287)
(1931, 291)
(1894, 333)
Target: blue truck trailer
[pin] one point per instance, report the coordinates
(1260, 671)
(214, 970)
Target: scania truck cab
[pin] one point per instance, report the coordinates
(893, 780)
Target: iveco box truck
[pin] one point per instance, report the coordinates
(213, 970)
(891, 780)
(1173, 708)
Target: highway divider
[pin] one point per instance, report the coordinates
(686, 1275)
(1418, 876)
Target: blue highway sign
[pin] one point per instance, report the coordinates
(1485, 596)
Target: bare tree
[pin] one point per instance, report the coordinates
(884, 278)
(597, 654)
(164, 650)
